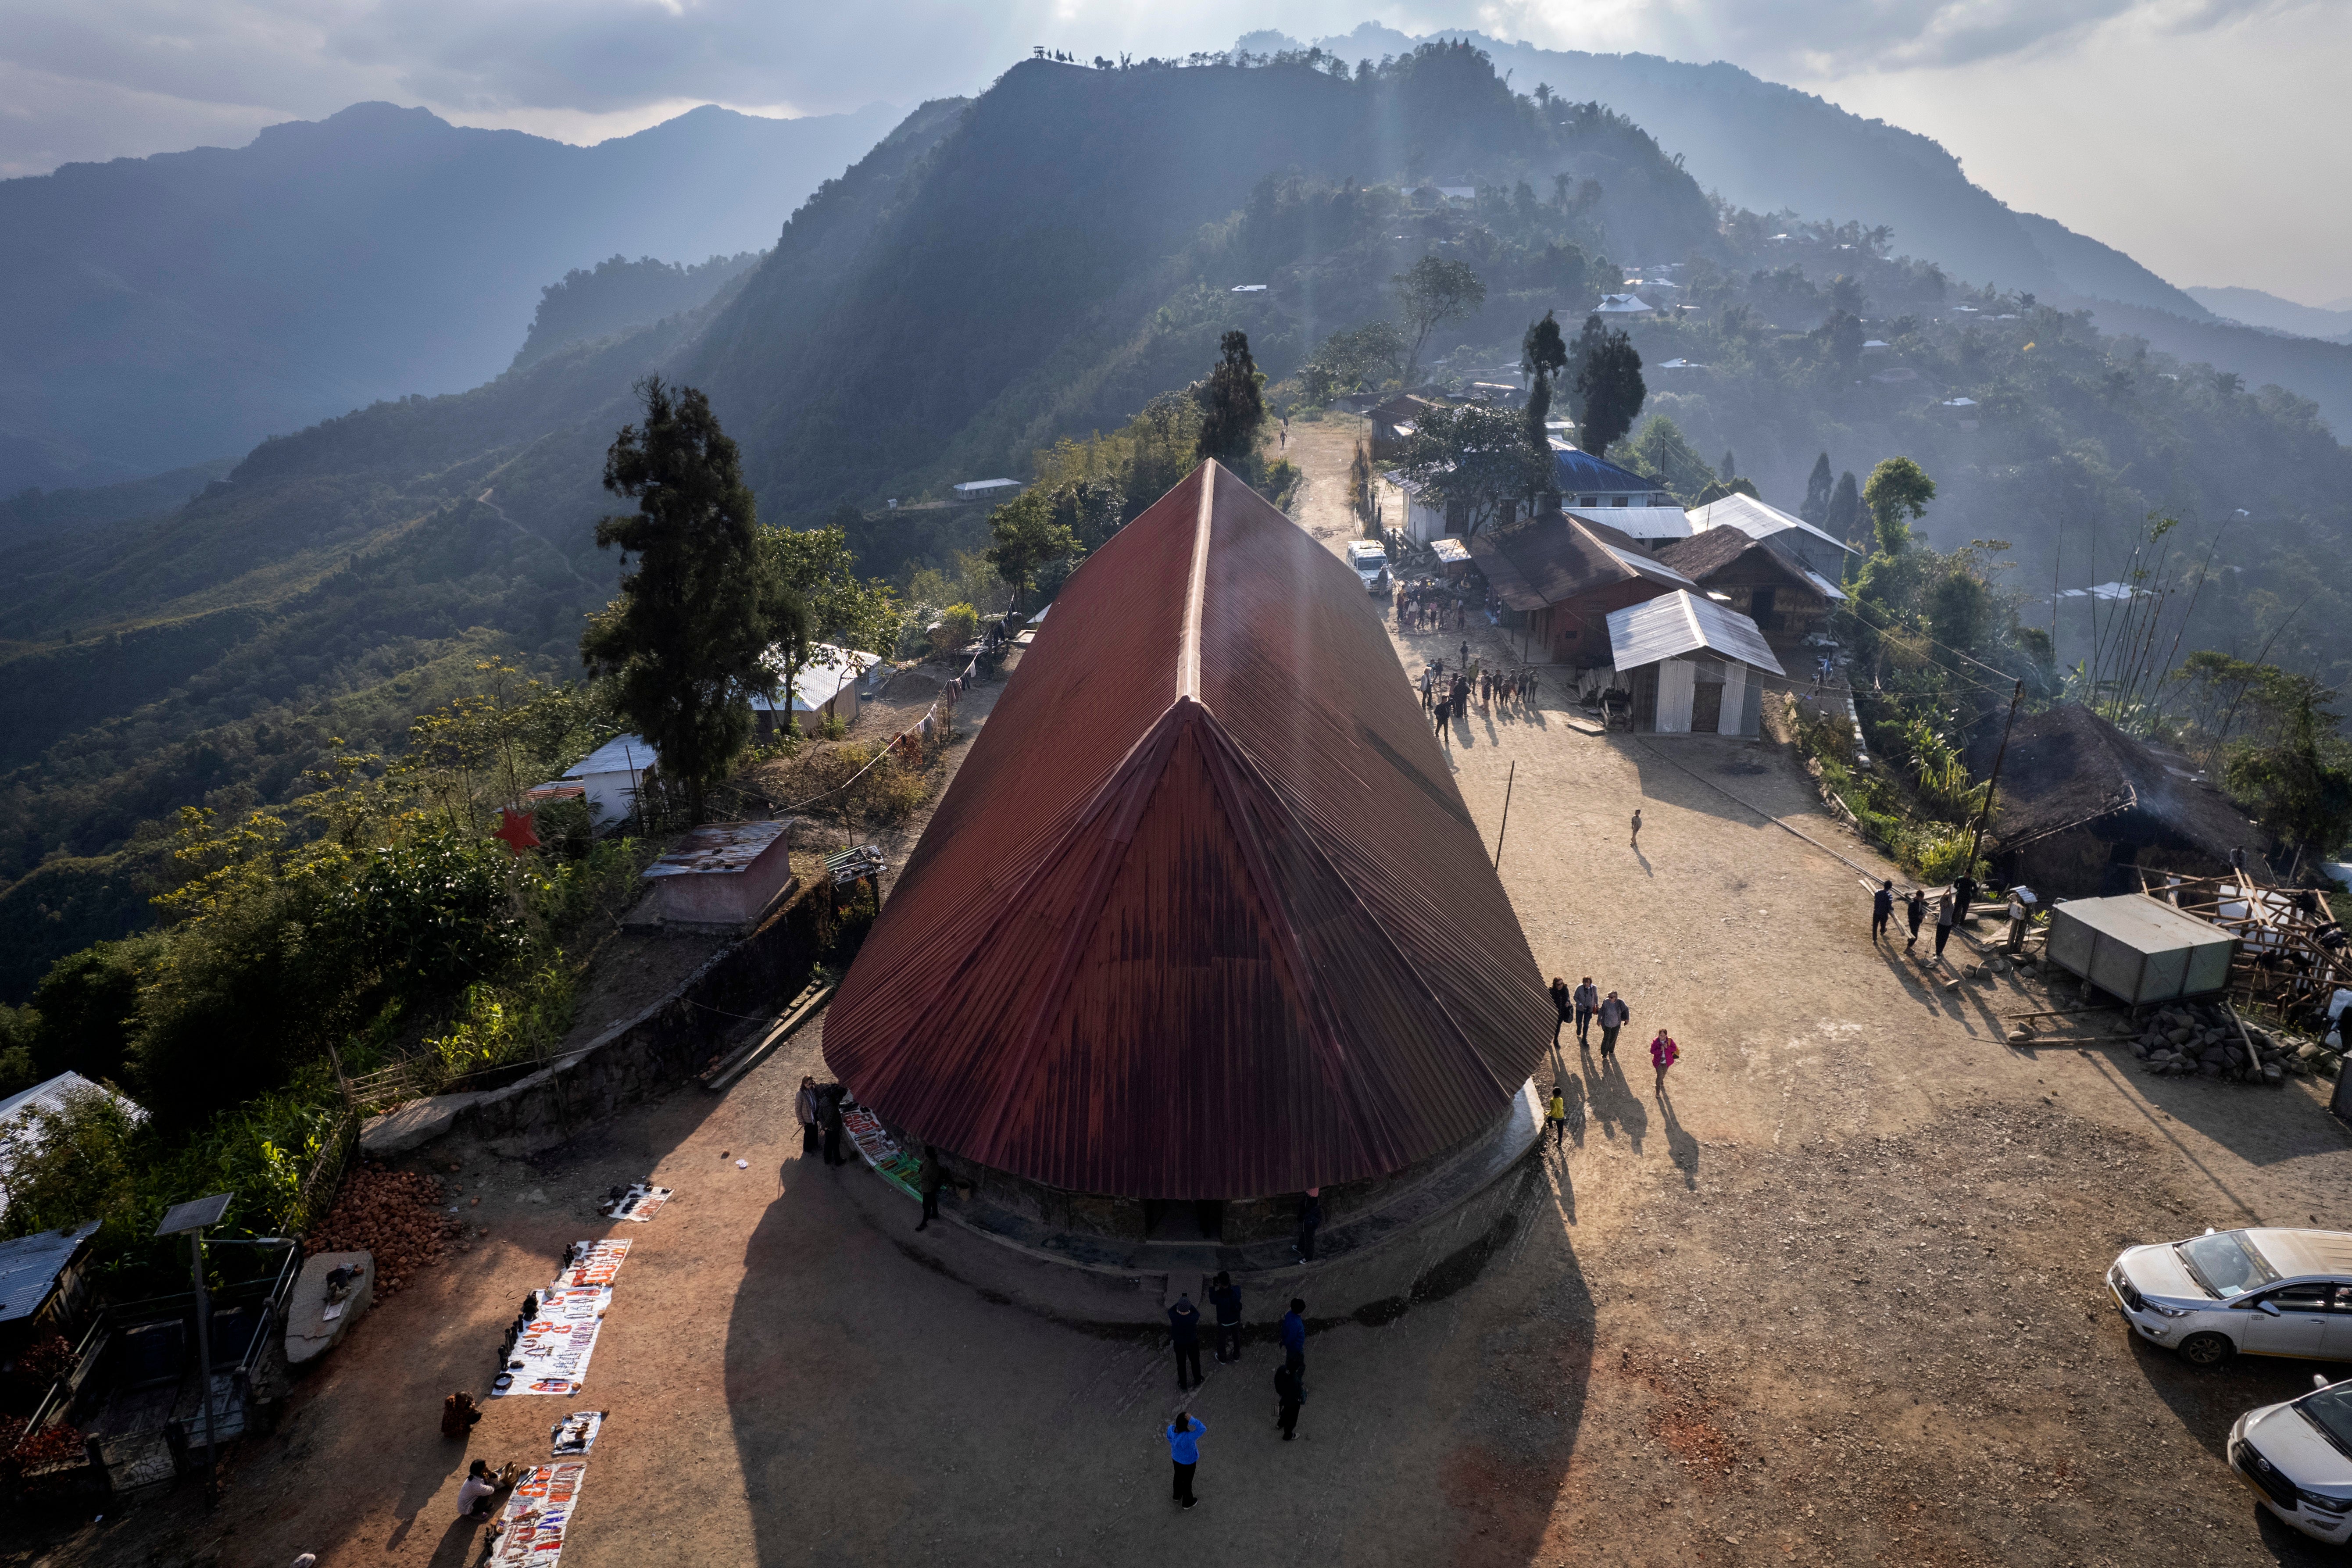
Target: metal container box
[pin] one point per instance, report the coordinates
(2139, 949)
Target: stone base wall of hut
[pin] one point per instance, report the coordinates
(1240, 1221)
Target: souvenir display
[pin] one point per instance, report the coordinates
(639, 1202)
(892, 1163)
(550, 1355)
(532, 1528)
(575, 1434)
(590, 1263)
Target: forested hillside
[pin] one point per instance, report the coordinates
(1043, 262)
(167, 310)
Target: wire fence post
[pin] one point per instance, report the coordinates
(1512, 779)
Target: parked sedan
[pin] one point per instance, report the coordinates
(2298, 1458)
(2262, 1292)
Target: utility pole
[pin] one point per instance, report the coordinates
(1994, 781)
(190, 1219)
(1511, 779)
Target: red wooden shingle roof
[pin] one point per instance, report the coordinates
(1202, 915)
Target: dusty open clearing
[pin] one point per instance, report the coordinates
(1836, 1298)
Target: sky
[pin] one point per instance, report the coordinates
(2201, 136)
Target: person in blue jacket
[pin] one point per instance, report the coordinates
(1183, 1435)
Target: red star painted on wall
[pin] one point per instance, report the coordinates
(514, 830)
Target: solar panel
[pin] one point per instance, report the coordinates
(195, 1214)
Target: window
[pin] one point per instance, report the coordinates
(1588, 500)
(1621, 501)
(2301, 1298)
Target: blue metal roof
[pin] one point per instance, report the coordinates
(29, 1266)
(1575, 469)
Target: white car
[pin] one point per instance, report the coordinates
(2298, 1458)
(1370, 557)
(2261, 1292)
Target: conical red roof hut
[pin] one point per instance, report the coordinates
(1202, 915)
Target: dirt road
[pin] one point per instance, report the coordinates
(1835, 1297)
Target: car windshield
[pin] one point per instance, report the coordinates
(2330, 1410)
(2225, 1265)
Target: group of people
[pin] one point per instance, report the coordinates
(1424, 607)
(1585, 1005)
(818, 1107)
(1950, 908)
(1446, 698)
(1184, 1430)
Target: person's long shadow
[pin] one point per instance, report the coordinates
(1615, 1104)
(1681, 1147)
(455, 1547)
(1644, 860)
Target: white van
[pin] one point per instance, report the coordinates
(1370, 557)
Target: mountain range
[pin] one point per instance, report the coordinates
(169, 311)
(1041, 262)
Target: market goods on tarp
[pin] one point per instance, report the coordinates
(396, 1215)
(532, 1529)
(590, 1263)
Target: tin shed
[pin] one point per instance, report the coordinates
(2140, 949)
(723, 873)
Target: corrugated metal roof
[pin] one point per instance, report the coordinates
(18, 1133)
(1679, 623)
(1758, 520)
(29, 1266)
(1202, 915)
(718, 848)
(830, 671)
(621, 754)
(1560, 556)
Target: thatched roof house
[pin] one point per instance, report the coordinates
(2081, 806)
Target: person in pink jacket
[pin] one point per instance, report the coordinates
(1662, 1052)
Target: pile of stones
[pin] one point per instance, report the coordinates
(2186, 1039)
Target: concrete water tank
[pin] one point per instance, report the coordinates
(2139, 949)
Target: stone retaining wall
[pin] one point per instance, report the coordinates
(667, 1043)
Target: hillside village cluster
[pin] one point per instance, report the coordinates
(1374, 1028)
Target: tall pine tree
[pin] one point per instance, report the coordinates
(699, 601)
(1231, 407)
(1816, 507)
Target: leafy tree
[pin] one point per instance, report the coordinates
(2299, 786)
(87, 1006)
(1472, 462)
(1842, 518)
(1717, 490)
(1543, 354)
(1432, 290)
(699, 605)
(1841, 339)
(1609, 393)
(1899, 489)
(1365, 359)
(1027, 538)
(1815, 508)
(1662, 452)
(1233, 408)
(819, 573)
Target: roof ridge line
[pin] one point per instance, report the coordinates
(1196, 589)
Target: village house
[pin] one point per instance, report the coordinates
(826, 688)
(999, 490)
(1786, 601)
(1599, 491)
(1796, 541)
(1692, 666)
(1557, 576)
(1392, 424)
(2081, 808)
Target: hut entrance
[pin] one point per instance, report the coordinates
(1183, 1219)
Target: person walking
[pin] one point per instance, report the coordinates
(1310, 1220)
(1613, 1016)
(930, 1177)
(1287, 1398)
(1882, 908)
(1588, 1002)
(804, 1106)
(1465, 644)
(833, 1154)
(1183, 1435)
(1294, 1342)
(1914, 911)
(1184, 1329)
(1556, 1112)
(1428, 704)
(1663, 1055)
(1562, 1005)
(1637, 828)
(1964, 897)
(1226, 1296)
(1943, 922)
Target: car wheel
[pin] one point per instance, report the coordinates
(2207, 1349)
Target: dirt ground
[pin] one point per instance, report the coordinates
(1835, 1296)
